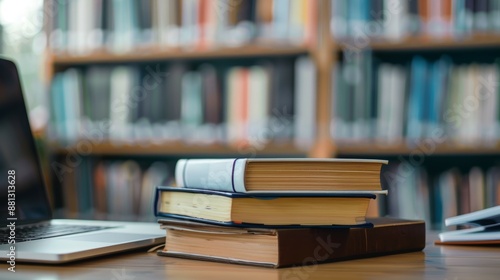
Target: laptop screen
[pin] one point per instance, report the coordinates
(24, 191)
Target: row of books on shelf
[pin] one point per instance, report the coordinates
(209, 104)
(395, 19)
(435, 99)
(221, 209)
(84, 26)
(120, 189)
(416, 194)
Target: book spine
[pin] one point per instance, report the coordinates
(219, 175)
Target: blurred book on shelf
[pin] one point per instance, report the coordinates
(437, 100)
(111, 189)
(83, 26)
(354, 22)
(211, 103)
(1, 39)
(416, 195)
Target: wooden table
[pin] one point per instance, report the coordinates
(435, 262)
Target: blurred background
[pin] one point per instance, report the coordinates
(119, 90)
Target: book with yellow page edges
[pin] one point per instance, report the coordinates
(293, 246)
(246, 175)
(263, 209)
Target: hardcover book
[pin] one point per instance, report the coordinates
(313, 209)
(280, 247)
(279, 174)
(484, 228)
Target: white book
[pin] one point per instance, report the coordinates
(397, 104)
(161, 16)
(189, 28)
(122, 81)
(396, 25)
(233, 175)
(481, 217)
(83, 25)
(73, 20)
(94, 34)
(305, 103)
(478, 233)
(258, 105)
(485, 227)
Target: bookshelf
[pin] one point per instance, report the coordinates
(395, 43)
(70, 58)
(406, 62)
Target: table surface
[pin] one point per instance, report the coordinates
(434, 262)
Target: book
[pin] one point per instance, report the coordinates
(279, 247)
(484, 228)
(279, 174)
(305, 103)
(314, 209)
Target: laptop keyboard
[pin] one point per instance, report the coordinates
(29, 233)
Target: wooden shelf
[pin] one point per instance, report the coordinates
(158, 54)
(426, 43)
(178, 149)
(373, 149)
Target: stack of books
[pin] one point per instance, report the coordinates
(279, 212)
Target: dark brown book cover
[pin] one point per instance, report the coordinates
(211, 95)
(303, 246)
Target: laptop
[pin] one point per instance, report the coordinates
(25, 214)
